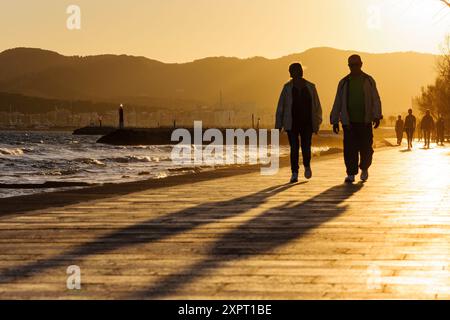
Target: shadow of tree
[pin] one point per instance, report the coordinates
(148, 231)
(269, 230)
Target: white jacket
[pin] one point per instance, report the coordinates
(284, 109)
(372, 102)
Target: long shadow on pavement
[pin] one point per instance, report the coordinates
(269, 230)
(148, 231)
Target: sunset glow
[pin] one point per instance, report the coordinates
(179, 30)
(234, 158)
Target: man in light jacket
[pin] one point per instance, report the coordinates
(299, 113)
(357, 106)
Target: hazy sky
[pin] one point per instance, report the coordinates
(184, 30)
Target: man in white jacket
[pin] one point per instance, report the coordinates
(357, 106)
(300, 114)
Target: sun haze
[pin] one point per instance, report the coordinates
(181, 30)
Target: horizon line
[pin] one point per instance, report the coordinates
(220, 56)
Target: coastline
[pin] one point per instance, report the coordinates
(61, 198)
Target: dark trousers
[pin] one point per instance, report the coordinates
(358, 140)
(306, 137)
(440, 136)
(427, 137)
(410, 136)
(399, 137)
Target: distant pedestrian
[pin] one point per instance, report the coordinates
(299, 113)
(358, 106)
(399, 127)
(440, 130)
(410, 127)
(427, 125)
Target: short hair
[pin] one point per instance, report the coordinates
(409, 110)
(297, 66)
(355, 56)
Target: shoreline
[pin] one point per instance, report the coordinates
(61, 198)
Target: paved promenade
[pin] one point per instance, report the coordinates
(238, 235)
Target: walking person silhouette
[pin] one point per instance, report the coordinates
(299, 113)
(440, 130)
(410, 127)
(357, 106)
(399, 129)
(427, 125)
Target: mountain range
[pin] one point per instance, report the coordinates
(238, 83)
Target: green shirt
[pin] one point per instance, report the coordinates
(356, 106)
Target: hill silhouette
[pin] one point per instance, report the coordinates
(254, 81)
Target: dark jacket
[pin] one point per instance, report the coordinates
(427, 123)
(399, 125)
(410, 122)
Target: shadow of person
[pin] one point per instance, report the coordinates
(148, 231)
(268, 231)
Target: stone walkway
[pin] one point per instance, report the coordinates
(243, 236)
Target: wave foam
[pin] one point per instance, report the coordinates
(11, 151)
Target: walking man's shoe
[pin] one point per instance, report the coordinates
(364, 175)
(350, 179)
(308, 173)
(294, 177)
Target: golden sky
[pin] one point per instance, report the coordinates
(184, 30)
